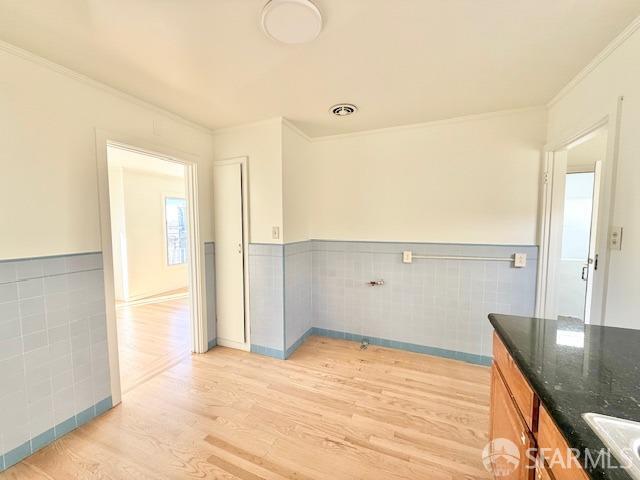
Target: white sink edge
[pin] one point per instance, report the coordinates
(633, 469)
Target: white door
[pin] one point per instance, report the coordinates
(572, 240)
(593, 256)
(229, 252)
(558, 175)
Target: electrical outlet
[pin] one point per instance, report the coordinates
(407, 256)
(615, 238)
(275, 233)
(520, 260)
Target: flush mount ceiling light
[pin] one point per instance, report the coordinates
(291, 21)
(343, 109)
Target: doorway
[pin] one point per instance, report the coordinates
(150, 238)
(196, 322)
(231, 239)
(575, 254)
(571, 245)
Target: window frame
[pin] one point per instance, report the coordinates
(167, 263)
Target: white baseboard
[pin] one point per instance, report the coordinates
(158, 299)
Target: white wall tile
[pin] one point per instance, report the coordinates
(462, 292)
(10, 347)
(54, 266)
(26, 269)
(8, 292)
(7, 272)
(30, 288)
(33, 323)
(34, 341)
(63, 404)
(9, 329)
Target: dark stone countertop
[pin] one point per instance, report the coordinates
(575, 369)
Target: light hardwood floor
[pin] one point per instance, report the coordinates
(331, 411)
(151, 338)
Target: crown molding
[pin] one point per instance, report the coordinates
(296, 129)
(431, 124)
(79, 77)
(601, 57)
(243, 126)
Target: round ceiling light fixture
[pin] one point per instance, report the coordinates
(291, 21)
(343, 109)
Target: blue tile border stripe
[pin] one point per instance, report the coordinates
(23, 451)
(17, 454)
(411, 347)
(298, 342)
(269, 352)
(43, 439)
(65, 427)
(382, 342)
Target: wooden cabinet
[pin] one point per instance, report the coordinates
(551, 442)
(518, 416)
(507, 424)
(542, 471)
(518, 386)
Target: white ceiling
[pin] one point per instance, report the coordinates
(400, 61)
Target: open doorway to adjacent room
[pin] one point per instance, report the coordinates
(150, 238)
(573, 239)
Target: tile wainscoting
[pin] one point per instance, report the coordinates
(442, 304)
(266, 299)
(53, 350)
(431, 306)
(298, 293)
(54, 362)
(210, 285)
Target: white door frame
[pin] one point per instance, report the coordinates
(198, 326)
(605, 211)
(244, 166)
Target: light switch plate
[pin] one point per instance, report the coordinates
(275, 233)
(520, 260)
(407, 256)
(615, 238)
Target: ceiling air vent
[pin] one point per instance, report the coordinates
(343, 109)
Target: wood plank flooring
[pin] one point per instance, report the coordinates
(151, 337)
(331, 411)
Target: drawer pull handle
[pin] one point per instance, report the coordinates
(523, 438)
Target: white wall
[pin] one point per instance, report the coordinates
(262, 144)
(48, 185)
(148, 272)
(296, 167)
(588, 101)
(471, 180)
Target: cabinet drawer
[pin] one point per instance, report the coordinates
(507, 423)
(518, 386)
(552, 443)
